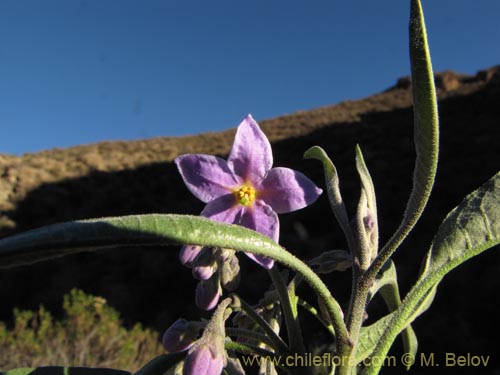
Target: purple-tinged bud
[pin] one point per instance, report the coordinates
(203, 272)
(180, 336)
(208, 293)
(205, 264)
(188, 254)
(369, 222)
(204, 359)
(208, 355)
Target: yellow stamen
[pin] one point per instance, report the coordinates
(245, 195)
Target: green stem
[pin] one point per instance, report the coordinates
(357, 306)
(290, 312)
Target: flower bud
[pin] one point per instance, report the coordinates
(180, 336)
(204, 359)
(205, 264)
(188, 254)
(203, 272)
(369, 222)
(208, 355)
(208, 293)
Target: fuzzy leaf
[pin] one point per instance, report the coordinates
(426, 130)
(369, 336)
(471, 228)
(126, 231)
(468, 230)
(333, 190)
(367, 208)
(156, 230)
(366, 181)
(387, 285)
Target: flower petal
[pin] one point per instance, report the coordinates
(251, 156)
(262, 219)
(287, 190)
(206, 176)
(223, 209)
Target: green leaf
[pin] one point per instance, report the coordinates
(57, 370)
(471, 228)
(366, 181)
(135, 230)
(426, 132)
(468, 230)
(387, 285)
(156, 230)
(367, 240)
(161, 364)
(390, 293)
(369, 336)
(333, 189)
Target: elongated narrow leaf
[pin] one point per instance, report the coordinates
(136, 230)
(387, 286)
(426, 129)
(333, 189)
(468, 230)
(57, 370)
(366, 216)
(156, 230)
(369, 336)
(366, 182)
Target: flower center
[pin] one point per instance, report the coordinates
(245, 195)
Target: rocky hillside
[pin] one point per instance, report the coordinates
(117, 178)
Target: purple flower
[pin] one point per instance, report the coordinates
(245, 189)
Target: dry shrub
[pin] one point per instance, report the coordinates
(90, 334)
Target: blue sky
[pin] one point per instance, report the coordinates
(83, 71)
